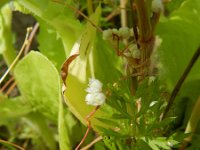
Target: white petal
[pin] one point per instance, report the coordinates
(94, 86)
(95, 99)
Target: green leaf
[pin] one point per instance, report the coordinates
(6, 43)
(87, 40)
(50, 44)
(180, 35)
(153, 145)
(120, 116)
(40, 125)
(7, 106)
(39, 83)
(108, 121)
(60, 17)
(173, 5)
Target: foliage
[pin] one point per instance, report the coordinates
(137, 70)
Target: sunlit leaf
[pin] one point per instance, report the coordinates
(39, 83)
(50, 44)
(60, 17)
(180, 34)
(6, 47)
(8, 105)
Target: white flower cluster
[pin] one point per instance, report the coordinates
(95, 96)
(123, 33)
(135, 52)
(157, 6)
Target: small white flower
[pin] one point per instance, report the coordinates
(94, 86)
(157, 6)
(95, 99)
(124, 32)
(115, 31)
(95, 96)
(107, 34)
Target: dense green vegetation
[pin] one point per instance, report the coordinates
(112, 74)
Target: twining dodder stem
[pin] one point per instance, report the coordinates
(88, 117)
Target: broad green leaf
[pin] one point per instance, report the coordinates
(60, 17)
(173, 5)
(50, 44)
(83, 68)
(180, 35)
(39, 83)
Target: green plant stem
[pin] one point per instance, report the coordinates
(180, 81)
(123, 13)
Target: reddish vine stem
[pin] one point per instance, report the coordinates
(84, 137)
(180, 81)
(7, 84)
(11, 88)
(89, 126)
(99, 138)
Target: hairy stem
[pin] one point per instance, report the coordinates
(146, 36)
(143, 20)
